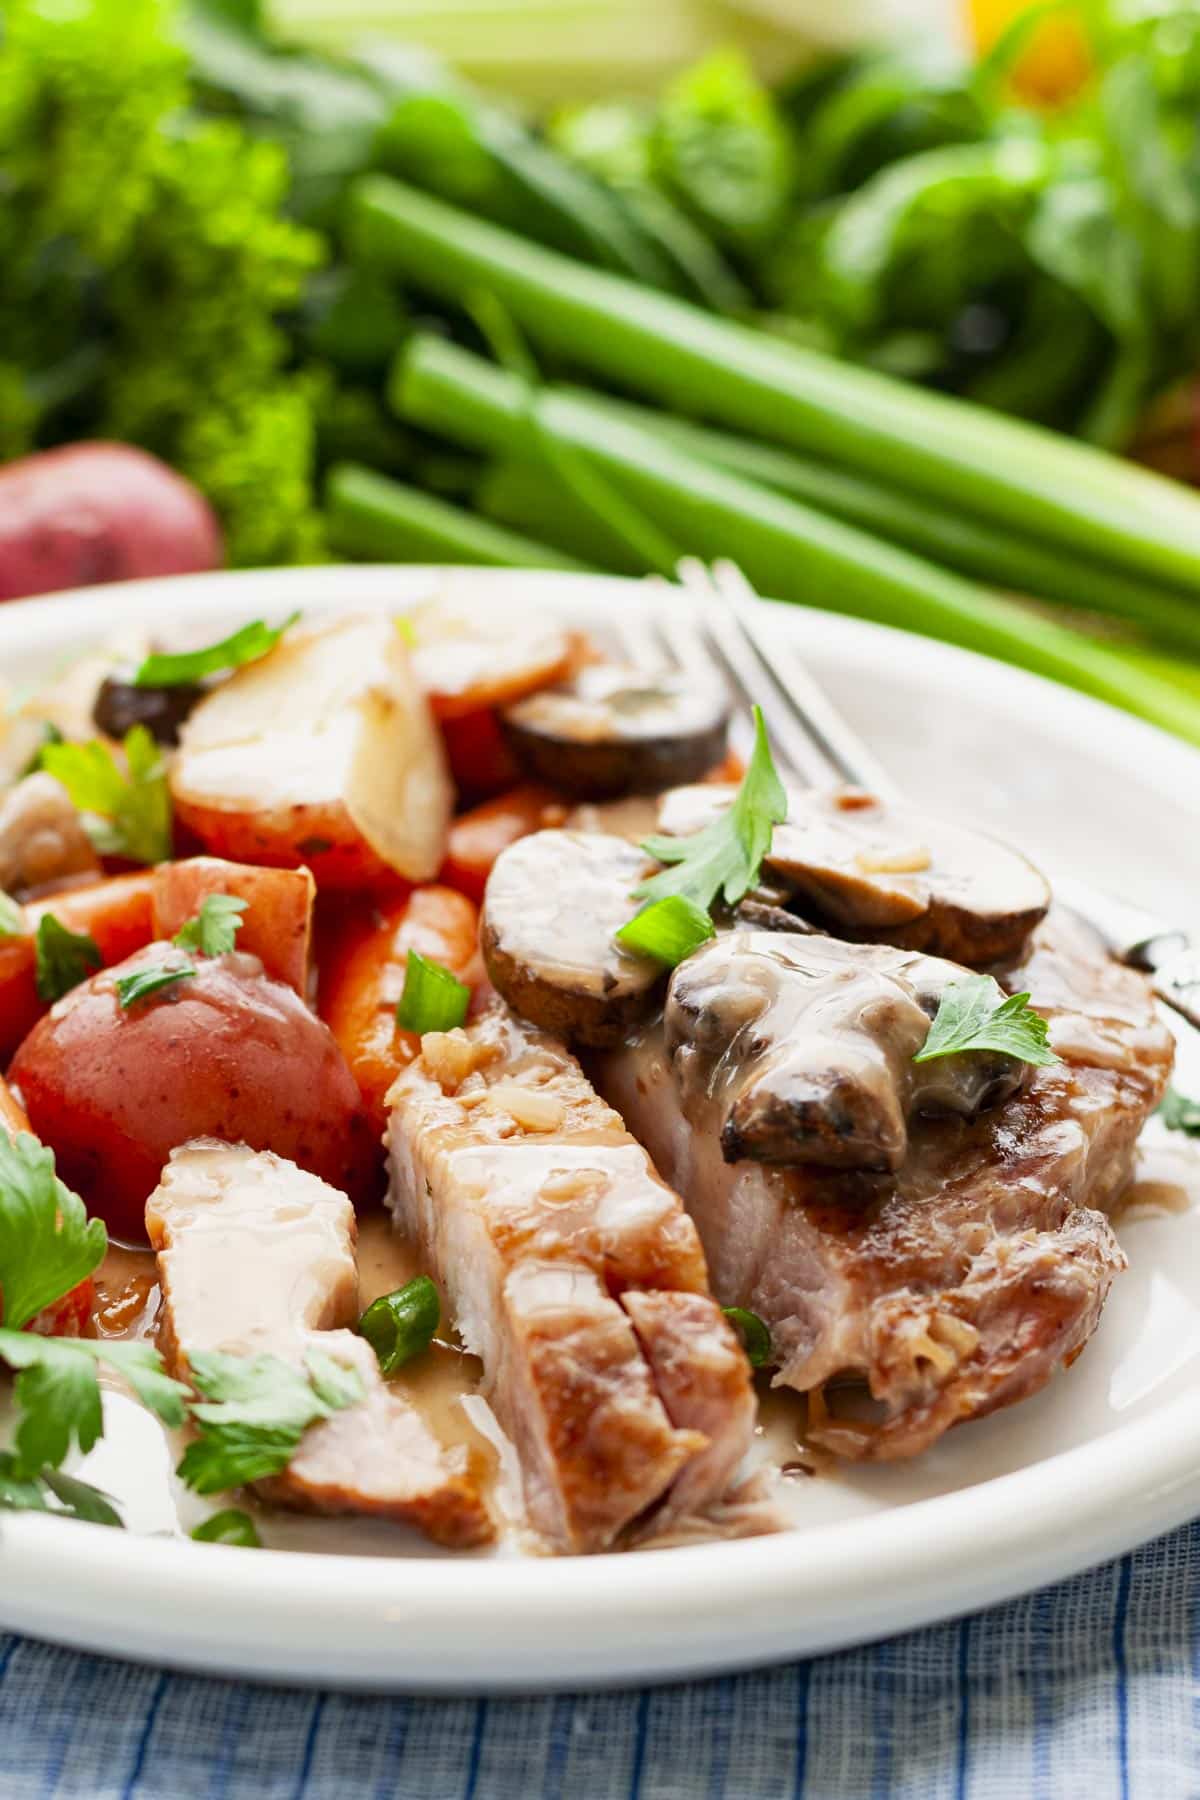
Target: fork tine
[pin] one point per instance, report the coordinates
(737, 656)
(802, 696)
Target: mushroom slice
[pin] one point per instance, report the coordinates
(42, 839)
(256, 1258)
(552, 904)
(322, 754)
(800, 1049)
(871, 869)
(618, 730)
(575, 1274)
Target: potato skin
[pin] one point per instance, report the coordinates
(323, 839)
(230, 1054)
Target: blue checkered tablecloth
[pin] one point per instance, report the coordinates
(1087, 1689)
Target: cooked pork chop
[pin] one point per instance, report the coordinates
(959, 1283)
(256, 1257)
(576, 1276)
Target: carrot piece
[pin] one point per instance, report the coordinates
(362, 979)
(276, 926)
(115, 914)
(477, 837)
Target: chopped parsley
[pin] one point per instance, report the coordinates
(214, 929)
(129, 813)
(151, 980)
(722, 861)
(58, 1395)
(229, 1527)
(254, 1413)
(1178, 1113)
(48, 1245)
(180, 669)
(969, 1018)
(62, 958)
(756, 1339)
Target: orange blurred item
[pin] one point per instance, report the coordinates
(1054, 64)
(276, 925)
(362, 979)
(115, 914)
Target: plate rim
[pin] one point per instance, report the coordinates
(706, 1608)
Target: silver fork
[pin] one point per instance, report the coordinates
(812, 742)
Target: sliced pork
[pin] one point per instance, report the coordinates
(576, 1276)
(962, 1280)
(256, 1257)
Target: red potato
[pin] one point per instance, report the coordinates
(480, 760)
(477, 837)
(324, 754)
(68, 1315)
(115, 914)
(362, 979)
(469, 657)
(99, 512)
(229, 1054)
(276, 925)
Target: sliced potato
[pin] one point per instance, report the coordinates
(871, 869)
(325, 753)
(615, 730)
(552, 904)
(470, 654)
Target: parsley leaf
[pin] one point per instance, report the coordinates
(20, 1492)
(249, 644)
(723, 859)
(12, 918)
(58, 1395)
(48, 1245)
(131, 812)
(969, 1018)
(144, 982)
(1178, 1113)
(255, 1413)
(63, 958)
(214, 929)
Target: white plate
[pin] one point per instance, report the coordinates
(1105, 1458)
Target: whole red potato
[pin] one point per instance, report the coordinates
(227, 1053)
(99, 512)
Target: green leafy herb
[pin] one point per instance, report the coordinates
(62, 958)
(255, 1412)
(1179, 1113)
(969, 1018)
(144, 982)
(48, 1245)
(667, 929)
(400, 1325)
(214, 929)
(229, 1527)
(723, 859)
(756, 1339)
(248, 645)
(12, 918)
(131, 812)
(58, 1395)
(73, 1499)
(433, 999)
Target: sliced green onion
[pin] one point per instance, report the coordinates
(400, 1325)
(1180, 1113)
(12, 918)
(144, 982)
(247, 645)
(229, 1527)
(433, 998)
(668, 930)
(756, 1339)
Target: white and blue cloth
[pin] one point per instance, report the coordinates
(1090, 1689)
